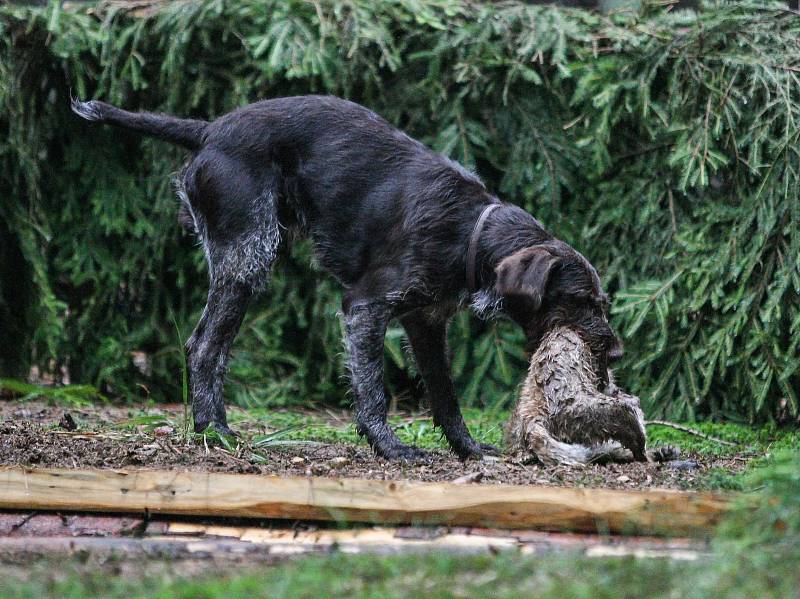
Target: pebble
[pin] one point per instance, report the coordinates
(298, 460)
(319, 469)
(339, 462)
(623, 479)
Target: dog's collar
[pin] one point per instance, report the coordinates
(472, 249)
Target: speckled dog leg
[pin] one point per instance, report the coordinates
(365, 328)
(239, 268)
(428, 340)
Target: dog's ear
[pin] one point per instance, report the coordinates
(524, 275)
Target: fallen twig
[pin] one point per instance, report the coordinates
(24, 520)
(691, 431)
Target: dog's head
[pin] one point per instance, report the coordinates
(551, 285)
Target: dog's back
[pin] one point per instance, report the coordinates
(334, 169)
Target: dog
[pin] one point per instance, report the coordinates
(410, 234)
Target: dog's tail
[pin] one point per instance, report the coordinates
(188, 133)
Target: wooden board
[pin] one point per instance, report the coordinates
(51, 534)
(355, 500)
(215, 551)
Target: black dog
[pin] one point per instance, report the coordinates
(409, 233)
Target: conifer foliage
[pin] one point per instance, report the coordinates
(662, 145)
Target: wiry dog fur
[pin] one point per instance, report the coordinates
(562, 417)
(389, 218)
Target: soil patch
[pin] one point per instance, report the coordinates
(39, 436)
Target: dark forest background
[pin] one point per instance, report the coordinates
(661, 143)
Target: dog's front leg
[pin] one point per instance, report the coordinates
(428, 340)
(365, 328)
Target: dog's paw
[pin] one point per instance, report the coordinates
(489, 449)
(219, 428)
(400, 452)
(476, 451)
(224, 429)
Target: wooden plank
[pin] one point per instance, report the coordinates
(659, 512)
(215, 551)
(459, 539)
(345, 540)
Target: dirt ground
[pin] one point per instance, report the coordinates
(38, 435)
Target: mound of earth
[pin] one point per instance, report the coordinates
(39, 436)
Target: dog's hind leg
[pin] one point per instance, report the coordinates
(428, 340)
(208, 349)
(236, 219)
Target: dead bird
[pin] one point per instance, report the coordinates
(563, 418)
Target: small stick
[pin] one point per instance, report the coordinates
(24, 521)
(691, 431)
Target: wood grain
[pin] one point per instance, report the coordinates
(659, 512)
